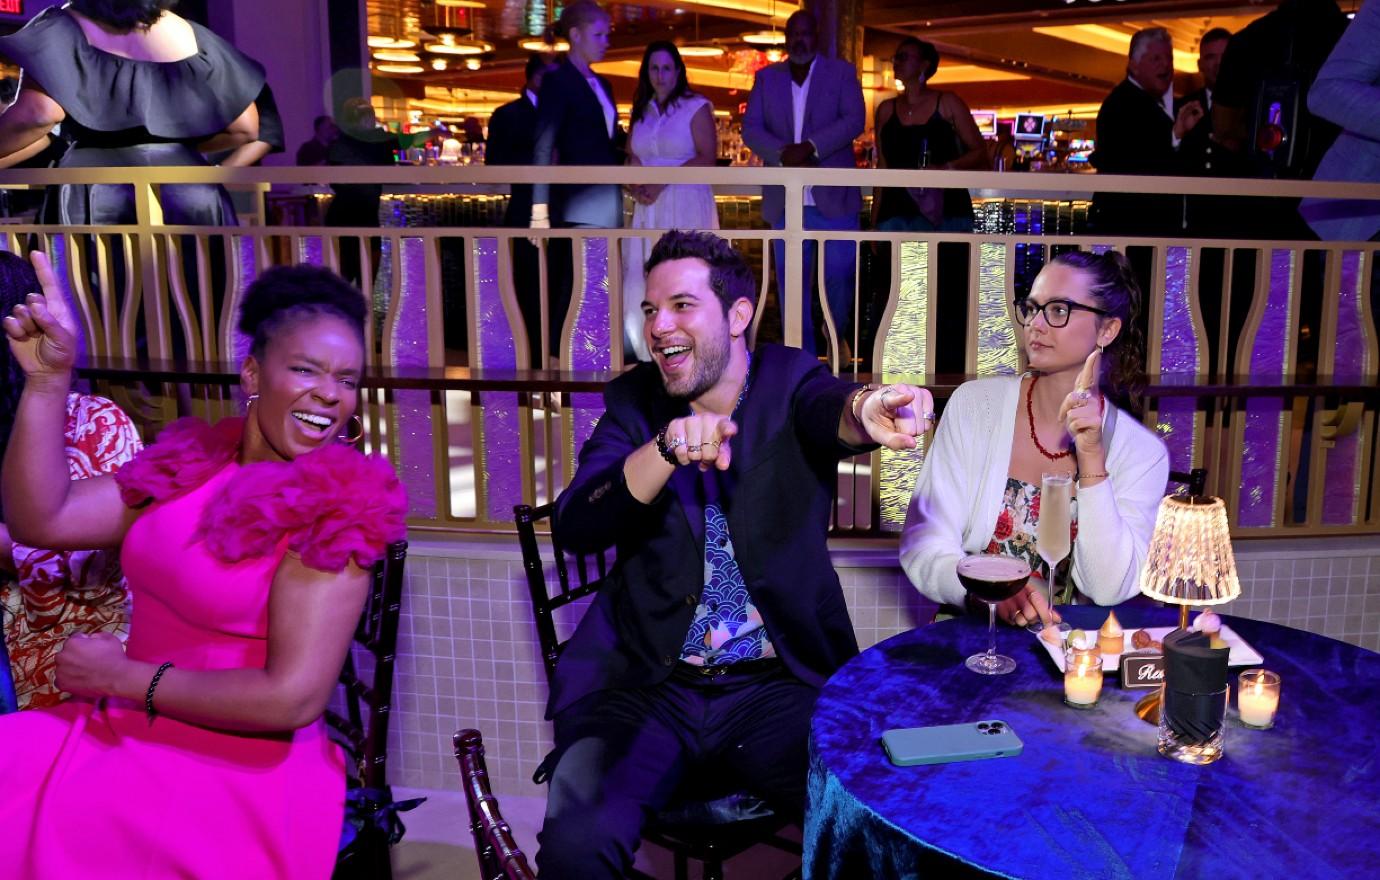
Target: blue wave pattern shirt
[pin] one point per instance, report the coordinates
(727, 627)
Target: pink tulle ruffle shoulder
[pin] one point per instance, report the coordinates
(188, 453)
(334, 505)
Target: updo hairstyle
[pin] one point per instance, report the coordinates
(288, 294)
(1117, 291)
(577, 15)
(124, 15)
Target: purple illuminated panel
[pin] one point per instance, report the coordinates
(503, 461)
(1180, 355)
(247, 258)
(1341, 476)
(589, 338)
(310, 250)
(58, 256)
(412, 427)
(1264, 430)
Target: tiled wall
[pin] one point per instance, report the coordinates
(468, 648)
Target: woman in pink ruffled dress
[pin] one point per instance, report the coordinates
(200, 751)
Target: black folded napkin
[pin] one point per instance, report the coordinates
(1195, 677)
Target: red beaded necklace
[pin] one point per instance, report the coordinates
(1030, 416)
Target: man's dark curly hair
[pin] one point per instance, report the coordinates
(729, 275)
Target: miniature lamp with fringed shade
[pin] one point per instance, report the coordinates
(1189, 562)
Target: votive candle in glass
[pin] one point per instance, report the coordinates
(1082, 676)
(1257, 698)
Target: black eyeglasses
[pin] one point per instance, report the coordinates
(1056, 311)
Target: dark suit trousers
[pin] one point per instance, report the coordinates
(623, 755)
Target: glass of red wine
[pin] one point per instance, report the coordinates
(992, 579)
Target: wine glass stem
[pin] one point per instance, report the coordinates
(991, 631)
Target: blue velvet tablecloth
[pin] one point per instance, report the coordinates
(1089, 796)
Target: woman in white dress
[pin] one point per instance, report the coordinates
(671, 126)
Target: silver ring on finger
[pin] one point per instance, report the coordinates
(692, 447)
(675, 442)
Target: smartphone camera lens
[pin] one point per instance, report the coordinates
(983, 725)
(996, 727)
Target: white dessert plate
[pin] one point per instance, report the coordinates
(1242, 654)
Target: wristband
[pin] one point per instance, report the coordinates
(857, 398)
(153, 685)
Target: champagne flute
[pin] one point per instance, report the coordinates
(992, 579)
(1052, 533)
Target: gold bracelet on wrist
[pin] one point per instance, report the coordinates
(857, 398)
(1082, 477)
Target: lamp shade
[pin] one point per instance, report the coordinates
(1190, 560)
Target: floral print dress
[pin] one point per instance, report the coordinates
(57, 593)
(1017, 526)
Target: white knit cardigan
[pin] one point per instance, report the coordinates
(958, 497)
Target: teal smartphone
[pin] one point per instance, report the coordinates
(910, 746)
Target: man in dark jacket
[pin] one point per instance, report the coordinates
(1139, 132)
(512, 134)
(712, 470)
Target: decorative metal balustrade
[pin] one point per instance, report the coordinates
(1288, 435)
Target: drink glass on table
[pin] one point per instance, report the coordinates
(991, 580)
(1052, 533)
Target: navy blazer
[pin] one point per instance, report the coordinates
(834, 117)
(571, 131)
(777, 495)
(512, 136)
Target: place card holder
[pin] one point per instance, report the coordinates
(1142, 671)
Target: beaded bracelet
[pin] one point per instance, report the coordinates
(153, 685)
(667, 450)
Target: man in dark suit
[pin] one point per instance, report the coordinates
(1195, 148)
(804, 112)
(512, 134)
(1140, 132)
(712, 470)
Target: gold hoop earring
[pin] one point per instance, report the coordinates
(351, 441)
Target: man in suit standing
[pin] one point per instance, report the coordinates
(1140, 132)
(512, 134)
(712, 471)
(1196, 148)
(806, 111)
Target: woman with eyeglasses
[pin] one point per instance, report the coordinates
(979, 488)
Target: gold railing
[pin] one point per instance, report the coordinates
(170, 294)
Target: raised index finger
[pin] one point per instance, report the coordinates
(1087, 377)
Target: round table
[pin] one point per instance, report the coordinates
(1089, 796)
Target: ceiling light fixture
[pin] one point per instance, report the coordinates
(703, 50)
(471, 63)
(439, 64)
(461, 4)
(450, 45)
(397, 55)
(537, 44)
(376, 41)
(399, 68)
(771, 37)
